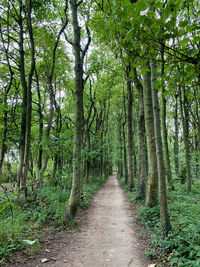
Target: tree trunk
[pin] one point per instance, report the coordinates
(185, 122)
(24, 101)
(152, 184)
(4, 136)
(176, 145)
(48, 129)
(120, 160)
(5, 112)
(124, 140)
(75, 195)
(40, 150)
(141, 140)
(164, 216)
(29, 101)
(164, 126)
(130, 129)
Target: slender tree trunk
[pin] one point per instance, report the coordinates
(185, 121)
(24, 101)
(87, 175)
(164, 125)
(124, 139)
(75, 195)
(29, 101)
(164, 216)
(40, 150)
(120, 161)
(176, 145)
(141, 140)
(4, 137)
(5, 112)
(152, 184)
(130, 129)
(48, 129)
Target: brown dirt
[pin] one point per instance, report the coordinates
(106, 236)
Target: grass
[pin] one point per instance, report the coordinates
(182, 246)
(22, 219)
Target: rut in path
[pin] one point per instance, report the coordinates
(106, 236)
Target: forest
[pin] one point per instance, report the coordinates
(88, 88)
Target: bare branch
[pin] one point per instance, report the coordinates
(88, 43)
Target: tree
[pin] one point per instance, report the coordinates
(129, 126)
(152, 184)
(79, 55)
(164, 216)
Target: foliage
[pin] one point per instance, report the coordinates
(32, 214)
(182, 246)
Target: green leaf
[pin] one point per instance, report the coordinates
(165, 93)
(174, 260)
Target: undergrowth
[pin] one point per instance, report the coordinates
(22, 220)
(182, 246)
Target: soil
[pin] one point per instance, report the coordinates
(106, 236)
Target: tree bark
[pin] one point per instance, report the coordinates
(185, 123)
(40, 150)
(130, 128)
(24, 101)
(164, 216)
(164, 126)
(152, 184)
(29, 100)
(74, 200)
(124, 140)
(120, 160)
(176, 144)
(141, 140)
(5, 112)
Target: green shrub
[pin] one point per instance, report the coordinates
(182, 246)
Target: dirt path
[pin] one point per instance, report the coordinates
(106, 236)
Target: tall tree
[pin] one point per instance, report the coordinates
(130, 126)
(141, 138)
(164, 216)
(152, 183)
(164, 124)
(79, 55)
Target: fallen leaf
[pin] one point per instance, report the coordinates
(47, 250)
